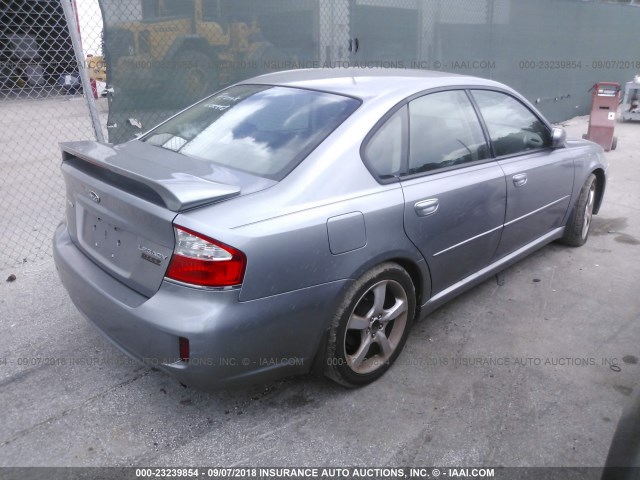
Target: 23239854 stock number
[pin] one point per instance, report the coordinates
(195, 472)
(167, 472)
(578, 64)
(550, 64)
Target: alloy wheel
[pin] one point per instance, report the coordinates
(376, 326)
(588, 210)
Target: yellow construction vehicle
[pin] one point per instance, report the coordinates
(185, 48)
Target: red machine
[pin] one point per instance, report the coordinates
(602, 121)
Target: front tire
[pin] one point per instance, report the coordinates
(371, 326)
(577, 230)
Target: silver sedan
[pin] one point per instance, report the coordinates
(302, 221)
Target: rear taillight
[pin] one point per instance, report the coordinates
(205, 262)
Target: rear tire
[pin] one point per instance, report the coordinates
(371, 326)
(577, 229)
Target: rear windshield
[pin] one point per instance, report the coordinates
(259, 129)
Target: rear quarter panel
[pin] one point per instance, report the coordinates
(291, 251)
(283, 229)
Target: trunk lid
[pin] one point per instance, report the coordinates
(122, 200)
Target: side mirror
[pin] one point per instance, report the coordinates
(558, 137)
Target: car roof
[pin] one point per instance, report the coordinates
(368, 83)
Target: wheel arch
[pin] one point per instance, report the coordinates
(417, 275)
(417, 269)
(600, 186)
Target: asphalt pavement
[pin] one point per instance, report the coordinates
(531, 368)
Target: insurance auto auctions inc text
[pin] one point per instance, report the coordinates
(352, 472)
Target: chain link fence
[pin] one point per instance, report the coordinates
(155, 57)
(41, 104)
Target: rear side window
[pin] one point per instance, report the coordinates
(444, 132)
(384, 151)
(513, 127)
(258, 129)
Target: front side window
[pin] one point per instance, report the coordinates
(444, 131)
(259, 129)
(513, 128)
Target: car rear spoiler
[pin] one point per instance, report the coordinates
(137, 174)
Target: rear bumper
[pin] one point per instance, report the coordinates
(231, 342)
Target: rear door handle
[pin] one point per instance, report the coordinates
(520, 179)
(427, 207)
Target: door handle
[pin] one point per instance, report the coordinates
(520, 179)
(427, 207)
